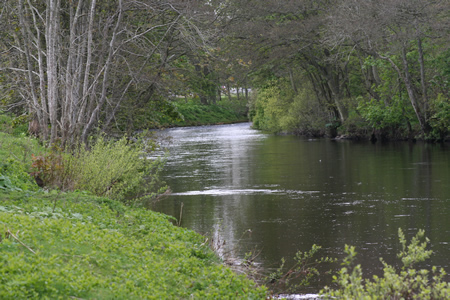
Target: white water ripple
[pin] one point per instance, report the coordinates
(222, 192)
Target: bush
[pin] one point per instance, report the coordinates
(408, 283)
(118, 169)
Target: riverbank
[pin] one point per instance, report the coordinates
(75, 245)
(193, 113)
(58, 244)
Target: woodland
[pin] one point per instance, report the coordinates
(79, 79)
(352, 68)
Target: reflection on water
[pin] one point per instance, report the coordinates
(281, 194)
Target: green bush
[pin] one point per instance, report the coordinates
(119, 169)
(270, 105)
(407, 283)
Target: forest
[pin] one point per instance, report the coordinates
(357, 69)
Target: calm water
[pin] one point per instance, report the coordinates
(281, 194)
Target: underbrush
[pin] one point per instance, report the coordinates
(15, 162)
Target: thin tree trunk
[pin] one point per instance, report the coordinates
(94, 115)
(422, 79)
(228, 91)
(406, 78)
(52, 57)
(291, 78)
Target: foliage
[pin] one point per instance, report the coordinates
(407, 283)
(118, 169)
(49, 168)
(14, 176)
(300, 274)
(380, 115)
(270, 105)
(194, 113)
(277, 108)
(13, 125)
(440, 118)
(15, 158)
(305, 115)
(96, 248)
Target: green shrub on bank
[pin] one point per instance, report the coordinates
(408, 283)
(118, 169)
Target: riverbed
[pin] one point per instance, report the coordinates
(271, 195)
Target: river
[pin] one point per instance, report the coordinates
(276, 195)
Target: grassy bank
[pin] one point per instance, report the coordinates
(194, 113)
(62, 245)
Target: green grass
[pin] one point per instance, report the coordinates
(57, 245)
(95, 248)
(195, 113)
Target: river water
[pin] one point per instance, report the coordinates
(276, 195)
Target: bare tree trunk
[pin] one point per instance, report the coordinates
(422, 78)
(406, 78)
(410, 90)
(51, 36)
(291, 78)
(106, 69)
(27, 37)
(228, 91)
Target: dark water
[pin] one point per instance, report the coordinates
(292, 192)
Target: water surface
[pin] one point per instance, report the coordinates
(276, 195)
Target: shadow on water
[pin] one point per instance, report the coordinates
(291, 193)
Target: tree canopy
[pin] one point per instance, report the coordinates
(348, 66)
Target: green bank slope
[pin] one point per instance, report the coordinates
(75, 245)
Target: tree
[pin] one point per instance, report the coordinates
(77, 61)
(392, 31)
(280, 37)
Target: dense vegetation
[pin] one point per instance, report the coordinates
(355, 68)
(75, 73)
(58, 244)
(193, 113)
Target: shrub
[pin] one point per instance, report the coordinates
(14, 176)
(117, 169)
(407, 283)
(298, 276)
